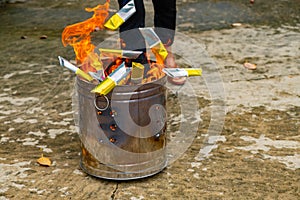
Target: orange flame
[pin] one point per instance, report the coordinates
(154, 73)
(79, 35)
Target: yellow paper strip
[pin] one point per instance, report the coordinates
(160, 52)
(137, 73)
(95, 62)
(114, 22)
(105, 86)
(194, 72)
(115, 51)
(83, 75)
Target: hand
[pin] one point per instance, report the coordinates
(170, 59)
(170, 63)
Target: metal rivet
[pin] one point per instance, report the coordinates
(113, 127)
(113, 113)
(112, 140)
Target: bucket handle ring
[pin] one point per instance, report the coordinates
(101, 109)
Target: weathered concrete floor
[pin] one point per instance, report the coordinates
(256, 156)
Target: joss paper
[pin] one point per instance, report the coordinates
(137, 73)
(155, 44)
(121, 16)
(182, 72)
(121, 53)
(65, 63)
(112, 80)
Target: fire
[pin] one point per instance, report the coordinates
(113, 64)
(79, 35)
(154, 73)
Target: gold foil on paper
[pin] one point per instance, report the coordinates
(137, 73)
(83, 75)
(114, 22)
(182, 72)
(121, 53)
(194, 72)
(105, 86)
(95, 62)
(160, 52)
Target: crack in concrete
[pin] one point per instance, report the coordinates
(112, 197)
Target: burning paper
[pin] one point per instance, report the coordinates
(121, 16)
(154, 73)
(137, 73)
(79, 35)
(98, 63)
(157, 47)
(97, 75)
(182, 72)
(121, 53)
(94, 61)
(64, 63)
(112, 80)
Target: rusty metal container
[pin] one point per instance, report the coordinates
(122, 134)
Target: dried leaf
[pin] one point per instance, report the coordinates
(250, 66)
(44, 161)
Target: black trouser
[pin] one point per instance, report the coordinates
(164, 22)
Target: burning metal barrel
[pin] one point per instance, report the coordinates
(123, 134)
(122, 121)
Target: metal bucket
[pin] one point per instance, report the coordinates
(122, 134)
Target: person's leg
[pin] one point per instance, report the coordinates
(137, 20)
(165, 20)
(129, 33)
(165, 24)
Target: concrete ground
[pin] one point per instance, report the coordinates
(256, 154)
